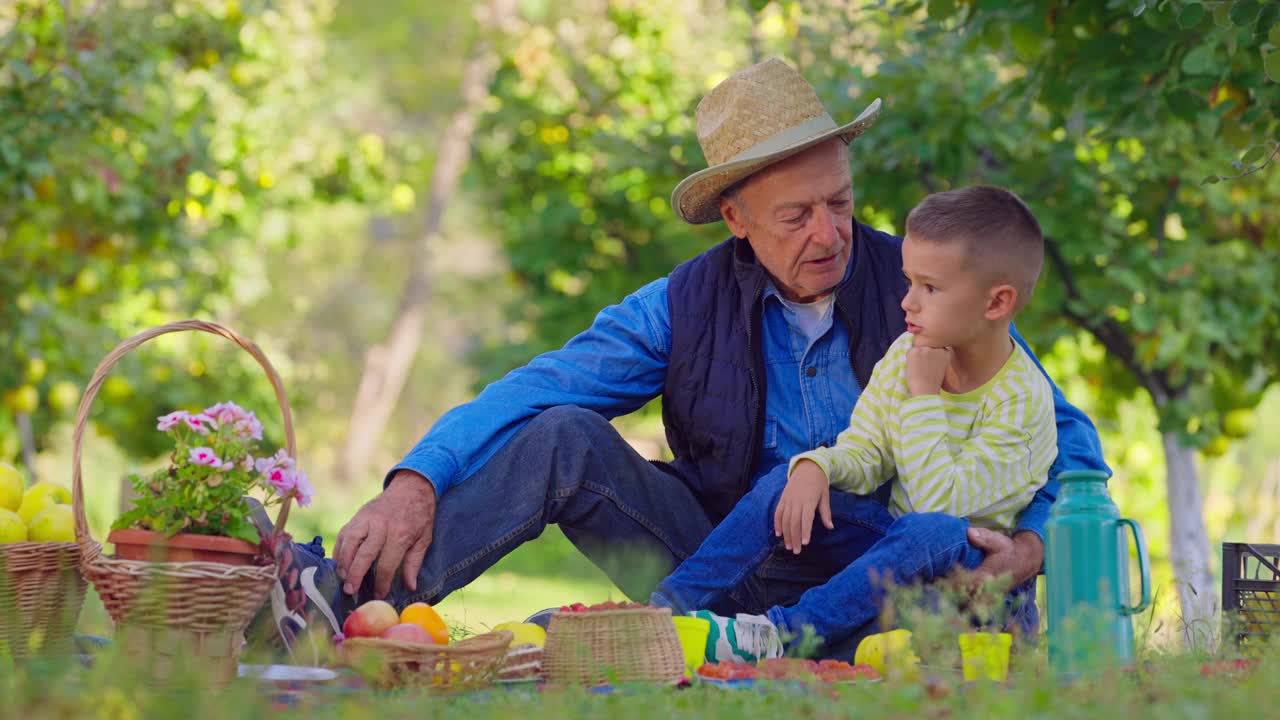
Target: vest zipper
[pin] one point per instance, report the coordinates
(758, 421)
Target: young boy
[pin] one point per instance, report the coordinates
(956, 409)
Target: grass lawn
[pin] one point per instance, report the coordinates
(1168, 687)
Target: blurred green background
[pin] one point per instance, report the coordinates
(399, 201)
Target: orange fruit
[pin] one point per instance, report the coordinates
(422, 615)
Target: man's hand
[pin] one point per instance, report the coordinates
(394, 529)
(1018, 558)
(807, 491)
(926, 368)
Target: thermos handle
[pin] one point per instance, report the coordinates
(1142, 566)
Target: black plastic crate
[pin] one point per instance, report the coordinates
(1251, 589)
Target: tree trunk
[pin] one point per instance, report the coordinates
(388, 363)
(1189, 546)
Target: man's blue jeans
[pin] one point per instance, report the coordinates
(634, 519)
(871, 546)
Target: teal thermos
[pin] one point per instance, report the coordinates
(1087, 577)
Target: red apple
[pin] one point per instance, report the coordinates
(370, 619)
(408, 632)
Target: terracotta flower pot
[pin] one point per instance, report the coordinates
(183, 547)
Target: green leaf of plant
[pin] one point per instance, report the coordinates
(1199, 61)
(244, 530)
(1271, 65)
(940, 10)
(1274, 35)
(1222, 14)
(1191, 16)
(1254, 155)
(1211, 180)
(758, 5)
(1245, 12)
(1185, 104)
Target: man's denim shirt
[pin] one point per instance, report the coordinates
(619, 364)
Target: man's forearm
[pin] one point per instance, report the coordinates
(414, 479)
(1028, 554)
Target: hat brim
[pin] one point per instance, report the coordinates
(696, 200)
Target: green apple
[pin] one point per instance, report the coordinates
(63, 395)
(40, 496)
(56, 523)
(11, 487)
(12, 529)
(1239, 423)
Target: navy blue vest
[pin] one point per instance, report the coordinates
(714, 400)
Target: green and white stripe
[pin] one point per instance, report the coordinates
(980, 455)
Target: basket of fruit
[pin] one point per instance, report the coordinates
(612, 642)
(41, 588)
(411, 649)
(190, 568)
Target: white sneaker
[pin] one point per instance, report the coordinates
(743, 638)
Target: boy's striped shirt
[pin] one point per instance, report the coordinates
(980, 455)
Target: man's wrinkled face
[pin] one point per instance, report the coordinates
(798, 216)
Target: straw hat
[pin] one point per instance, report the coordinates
(754, 118)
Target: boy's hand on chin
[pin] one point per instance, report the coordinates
(926, 368)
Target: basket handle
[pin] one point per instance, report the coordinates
(83, 537)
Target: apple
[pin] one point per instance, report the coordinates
(12, 529)
(371, 619)
(408, 632)
(11, 487)
(56, 523)
(40, 496)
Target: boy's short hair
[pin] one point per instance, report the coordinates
(1002, 236)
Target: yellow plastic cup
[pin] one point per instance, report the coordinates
(890, 653)
(693, 634)
(985, 656)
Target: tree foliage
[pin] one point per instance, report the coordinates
(152, 154)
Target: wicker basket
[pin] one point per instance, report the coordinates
(522, 663)
(41, 593)
(167, 611)
(613, 646)
(465, 665)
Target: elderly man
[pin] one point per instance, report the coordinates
(758, 348)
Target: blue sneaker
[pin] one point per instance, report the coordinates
(542, 618)
(303, 597)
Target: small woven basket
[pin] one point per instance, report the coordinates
(196, 610)
(41, 593)
(465, 665)
(613, 646)
(523, 662)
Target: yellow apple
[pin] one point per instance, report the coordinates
(11, 487)
(55, 523)
(40, 496)
(12, 529)
(525, 633)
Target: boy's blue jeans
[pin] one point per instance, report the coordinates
(870, 546)
(634, 519)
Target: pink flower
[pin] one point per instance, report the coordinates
(249, 427)
(226, 412)
(303, 488)
(204, 456)
(201, 423)
(170, 421)
(282, 459)
(283, 480)
(246, 463)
